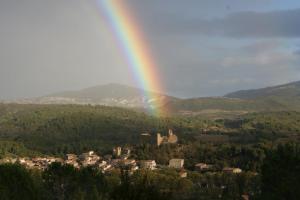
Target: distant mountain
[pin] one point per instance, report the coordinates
(286, 90)
(109, 95)
(287, 95)
(276, 98)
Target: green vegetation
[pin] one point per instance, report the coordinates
(53, 129)
(12, 148)
(278, 98)
(290, 90)
(279, 180)
(18, 183)
(204, 106)
(281, 173)
(65, 182)
(61, 129)
(246, 157)
(258, 143)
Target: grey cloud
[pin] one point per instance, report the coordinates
(253, 65)
(261, 47)
(264, 53)
(250, 24)
(297, 52)
(255, 24)
(53, 45)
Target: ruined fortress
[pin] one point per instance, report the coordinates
(170, 139)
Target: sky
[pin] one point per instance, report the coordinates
(202, 48)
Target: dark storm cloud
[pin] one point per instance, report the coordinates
(297, 52)
(250, 50)
(220, 69)
(250, 24)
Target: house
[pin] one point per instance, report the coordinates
(170, 139)
(176, 163)
(183, 174)
(203, 167)
(29, 164)
(22, 161)
(26, 162)
(129, 162)
(86, 155)
(51, 160)
(89, 158)
(130, 165)
(8, 160)
(71, 159)
(40, 163)
(104, 166)
(147, 164)
(232, 170)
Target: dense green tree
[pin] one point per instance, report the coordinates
(281, 173)
(60, 181)
(16, 183)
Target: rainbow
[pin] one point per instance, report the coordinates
(132, 43)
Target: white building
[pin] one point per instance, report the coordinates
(148, 164)
(202, 167)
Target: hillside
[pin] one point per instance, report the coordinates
(287, 90)
(108, 95)
(223, 105)
(54, 129)
(278, 98)
(58, 129)
(287, 95)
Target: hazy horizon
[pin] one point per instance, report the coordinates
(50, 46)
(181, 97)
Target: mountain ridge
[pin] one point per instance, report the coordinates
(284, 97)
(276, 98)
(292, 88)
(112, 94)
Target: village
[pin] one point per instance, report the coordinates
(120, 159)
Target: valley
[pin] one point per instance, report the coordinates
(222, 143)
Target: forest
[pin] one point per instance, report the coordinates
(60, 129)
(264, 145)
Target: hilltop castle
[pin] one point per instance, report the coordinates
(170, 139)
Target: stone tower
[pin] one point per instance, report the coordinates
(117, 151)
(159, 139)
(170, 132)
